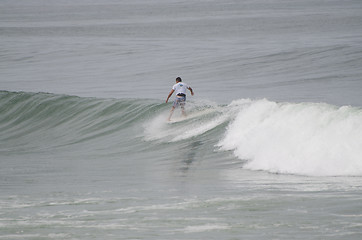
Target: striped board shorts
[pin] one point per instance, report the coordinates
(179, 100)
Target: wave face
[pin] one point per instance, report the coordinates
(314, 139)
(42, 121)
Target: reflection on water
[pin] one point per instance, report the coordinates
(191, 150)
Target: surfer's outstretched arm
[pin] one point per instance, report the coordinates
(192, 92)
(173, 108)
(169, 95)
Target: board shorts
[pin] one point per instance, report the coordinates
(179, 101)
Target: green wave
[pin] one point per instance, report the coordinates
(60, 119)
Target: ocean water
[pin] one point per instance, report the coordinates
(271, 147)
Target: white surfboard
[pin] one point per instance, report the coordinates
(192, 115)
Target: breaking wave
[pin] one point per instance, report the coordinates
(292, 138)
(306, 138)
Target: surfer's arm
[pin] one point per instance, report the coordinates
(169, 95)
(192, 92)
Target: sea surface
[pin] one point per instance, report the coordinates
(271, 147)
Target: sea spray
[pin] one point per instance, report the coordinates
(306, 138)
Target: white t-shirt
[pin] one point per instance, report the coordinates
(180, 88)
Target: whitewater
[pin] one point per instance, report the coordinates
(271, 147)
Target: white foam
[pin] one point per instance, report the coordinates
(306, 138)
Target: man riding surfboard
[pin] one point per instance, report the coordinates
(180, 99)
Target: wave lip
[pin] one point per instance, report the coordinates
(312, 139)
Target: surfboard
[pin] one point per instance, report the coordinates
(176, 120)
(189, 116)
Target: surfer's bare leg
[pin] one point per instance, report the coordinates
(182, 105)
(183, 111)
(171, 112)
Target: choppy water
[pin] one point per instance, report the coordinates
(271, 147)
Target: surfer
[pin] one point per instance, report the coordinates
(180, 89)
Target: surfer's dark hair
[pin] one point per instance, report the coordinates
(178, 79)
